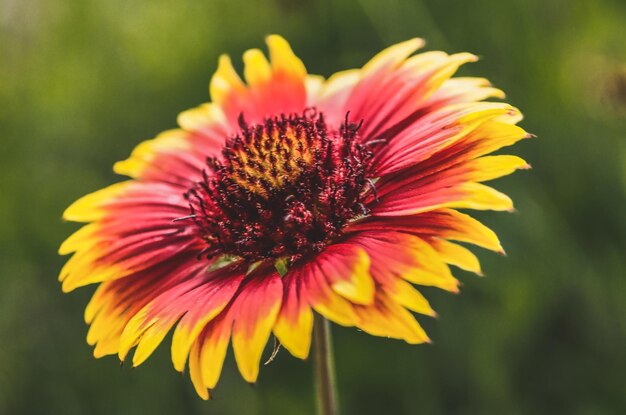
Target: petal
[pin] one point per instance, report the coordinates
(432, 133)
(397, 255)
(196, 370)
(404, 92)
(323, 298)
(284, 61)
(295, 321)
(407, 296)
(255, 309)
(346, 268)
(455, 254)
(116, 302)
(208, 352)
(314, 85)
(491, 167)
(179, 156)
(392, 56)
(91, 207)
(374, 78)
(460, 89)
(225, 82)
(447, 179)
(463, 196)
(331, 96)
(199, 299)
(257, 70)
(206, 302)
(133, 230)
(443, 223)
(272, 88)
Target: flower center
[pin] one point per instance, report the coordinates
(283, 188)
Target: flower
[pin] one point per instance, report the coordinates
(289, 194)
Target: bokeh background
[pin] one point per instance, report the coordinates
(82, 82)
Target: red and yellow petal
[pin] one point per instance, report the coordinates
(440, 223)
(179, 156)
(249, 327)
(271, 88)
(455, 90)
(372, 87)
(92, 207)
(346, 268)
(433, 133)
(330, 96)
(446, 180)
(199, 299)
(215, 296)
(407, 89)
(387, 318)
(132, 229)
(324, 299)
(294, 323)
(430, 135)
(255, 309)
(401, 255)
(456, 255)
(117, 301)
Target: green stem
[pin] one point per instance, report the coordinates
(325, 386)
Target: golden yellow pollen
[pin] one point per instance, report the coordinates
(272, 158)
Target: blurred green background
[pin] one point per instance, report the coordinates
(82, 82)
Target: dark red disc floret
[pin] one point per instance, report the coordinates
(283, 188)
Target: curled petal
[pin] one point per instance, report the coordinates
(324, 299)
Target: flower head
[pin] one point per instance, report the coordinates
(289, 194)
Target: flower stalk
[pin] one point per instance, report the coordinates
(325, 385)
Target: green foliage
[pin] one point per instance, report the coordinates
(545, 332)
